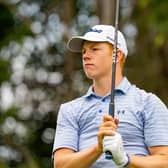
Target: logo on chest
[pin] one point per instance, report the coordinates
(120, 112)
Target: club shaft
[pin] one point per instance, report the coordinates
(112, 104)
(108, 154)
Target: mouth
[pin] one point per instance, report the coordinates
(88, 65)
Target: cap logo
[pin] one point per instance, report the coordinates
(111, 39)
(95, 30)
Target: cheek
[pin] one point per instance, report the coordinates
(107, 64)
(108, 59)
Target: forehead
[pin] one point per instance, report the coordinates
(92, 44)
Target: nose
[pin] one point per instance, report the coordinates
(86, 54)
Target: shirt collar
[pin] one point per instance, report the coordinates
(90, 92)
(123, 87)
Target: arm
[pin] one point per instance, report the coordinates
(67, 158)
(157, 159)
(156, 127)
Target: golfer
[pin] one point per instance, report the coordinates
(137, 137)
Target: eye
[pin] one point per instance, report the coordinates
(95, 48)
(83, 51)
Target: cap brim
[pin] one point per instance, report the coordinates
(76, 43)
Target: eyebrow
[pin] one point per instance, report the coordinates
(92, 44)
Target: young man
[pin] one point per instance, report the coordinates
(138, 135)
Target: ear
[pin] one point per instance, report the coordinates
(120, 55)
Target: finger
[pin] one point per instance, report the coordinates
(109, 124)
(106, 130)
(101, 134)
(116, 121)
(108, 118)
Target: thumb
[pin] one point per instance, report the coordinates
(116, 121)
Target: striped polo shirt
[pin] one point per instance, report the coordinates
(143, 121)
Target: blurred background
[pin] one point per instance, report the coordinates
(37, 73)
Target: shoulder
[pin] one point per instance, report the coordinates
(69, 111)
(73, 107)
(140, 94)
(134, 93)
(148, 100)
(73, 103)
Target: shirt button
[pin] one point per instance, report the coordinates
(103, 100)
(100, 111)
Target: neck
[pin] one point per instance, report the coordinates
(102, 87)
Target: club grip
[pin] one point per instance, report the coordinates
(108, 155)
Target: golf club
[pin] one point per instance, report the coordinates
(112, 104)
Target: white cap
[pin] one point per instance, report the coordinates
(99, 33)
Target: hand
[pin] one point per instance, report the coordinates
(107, 128)
(114, 145)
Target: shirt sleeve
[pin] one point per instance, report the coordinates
(156, 122)
(67, 129)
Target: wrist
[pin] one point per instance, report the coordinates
(128, 160)
(124, 161)
(98, 150)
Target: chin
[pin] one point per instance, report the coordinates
(90, 76)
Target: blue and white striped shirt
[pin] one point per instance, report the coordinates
(143, 121)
